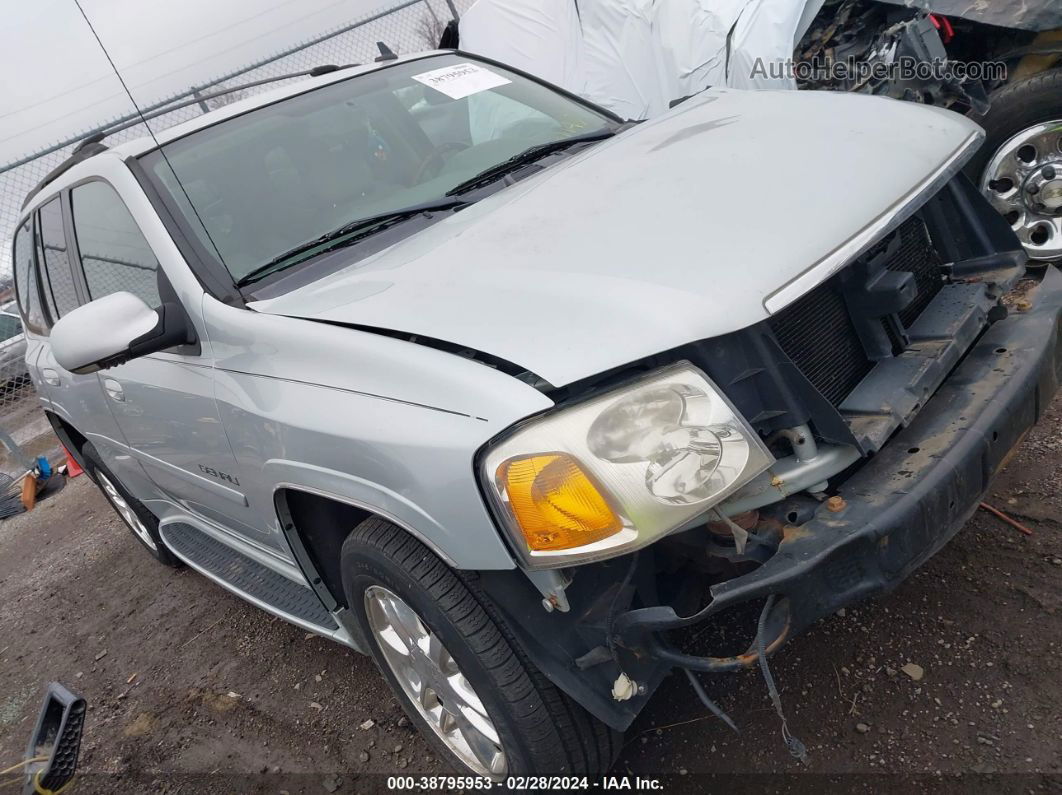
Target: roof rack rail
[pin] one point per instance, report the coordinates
(92, 145)
(95, 138)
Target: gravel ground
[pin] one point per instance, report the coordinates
(953, 682)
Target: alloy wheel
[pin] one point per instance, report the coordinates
(433, 682)
(125, 511)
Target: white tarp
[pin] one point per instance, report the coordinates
(635, 56)
(543, 34)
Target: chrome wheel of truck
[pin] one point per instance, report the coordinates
(431, 679)
(1023, 181)
(1019, 166)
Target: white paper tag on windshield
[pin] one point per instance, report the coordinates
(461, 80)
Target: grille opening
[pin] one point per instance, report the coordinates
(916, 254)
(817, 333)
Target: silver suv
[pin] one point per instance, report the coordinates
(436, 360)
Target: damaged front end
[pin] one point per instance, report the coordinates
(889, 396)
(874, 48)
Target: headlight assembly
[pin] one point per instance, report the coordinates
(617, 471)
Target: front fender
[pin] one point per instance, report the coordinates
(387, 425)
(367, 496)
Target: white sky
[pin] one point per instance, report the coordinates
(56, 82)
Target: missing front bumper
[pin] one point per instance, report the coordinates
(900, 508)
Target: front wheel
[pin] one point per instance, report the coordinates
(456, 669)
(1019, 167)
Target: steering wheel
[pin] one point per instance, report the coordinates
(436, 157)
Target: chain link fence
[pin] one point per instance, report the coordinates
(405, 27)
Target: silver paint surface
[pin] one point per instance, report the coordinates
(652, 239)
(636, 246)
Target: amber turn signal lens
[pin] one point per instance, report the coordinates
(555, 503)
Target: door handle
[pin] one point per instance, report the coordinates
(50, 376)
(114, 389)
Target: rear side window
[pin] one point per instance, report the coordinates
(114, 254)
(57, 279)
(29, 301)
(10, 326)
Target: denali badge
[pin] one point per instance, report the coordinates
(214, 473)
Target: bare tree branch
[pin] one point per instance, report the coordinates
(429, 29)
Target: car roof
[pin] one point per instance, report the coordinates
(70, 172)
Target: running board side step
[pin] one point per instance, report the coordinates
(248, 578)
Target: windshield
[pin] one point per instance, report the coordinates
(268, 181)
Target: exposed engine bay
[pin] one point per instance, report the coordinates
(855, 45)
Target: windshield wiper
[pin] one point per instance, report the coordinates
(529, 155)
(344, 236)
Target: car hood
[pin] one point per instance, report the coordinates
(698, 223)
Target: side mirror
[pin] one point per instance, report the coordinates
(114, 329)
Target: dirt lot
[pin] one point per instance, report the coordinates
(191, 690)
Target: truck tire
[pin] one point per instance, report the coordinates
(1023, 115)
(425, 622)
(141, 522)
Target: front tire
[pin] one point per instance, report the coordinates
(139, 520)
(455, 668)
(1019, 166)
